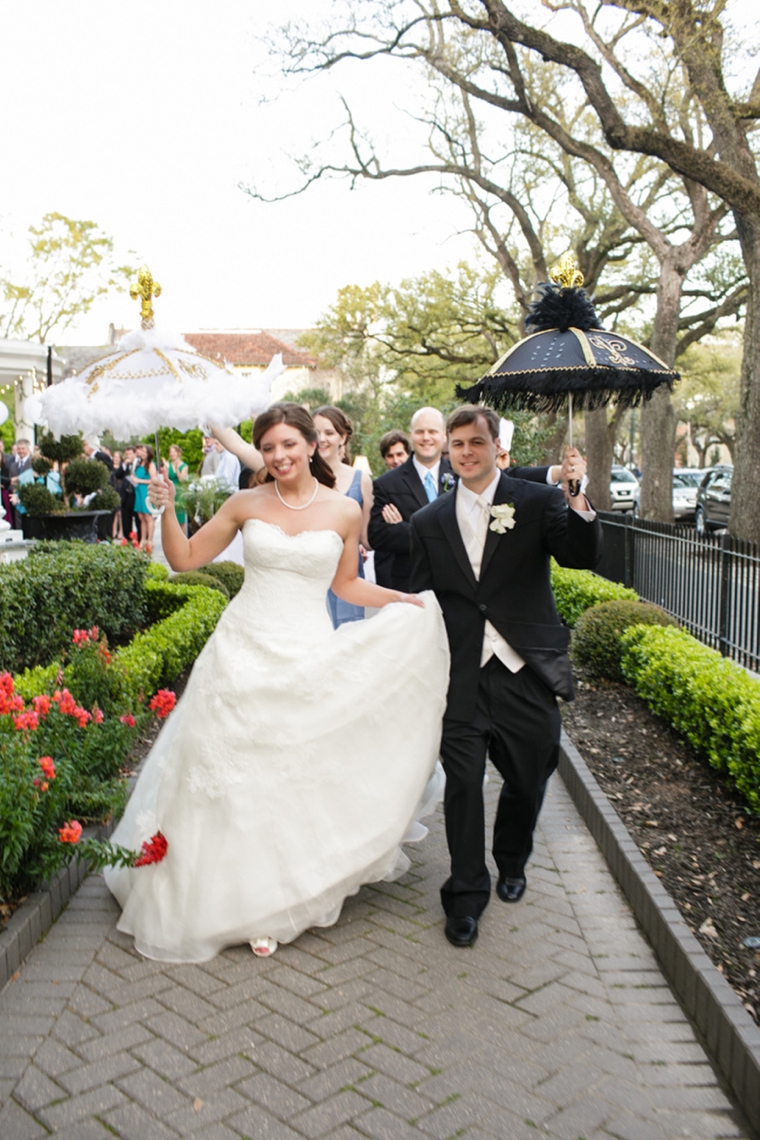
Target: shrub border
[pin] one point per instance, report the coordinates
(728, 1032)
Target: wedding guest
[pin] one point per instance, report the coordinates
(228, 467)
(334, 431)
(118, 475)
(395, 448)
(127, 493)
(144, 472)
(177, 473)
(211, 456)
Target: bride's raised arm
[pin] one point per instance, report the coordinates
(232, 441)
(184, 553)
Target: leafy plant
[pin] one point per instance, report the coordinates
(575, 591)
(596, 638)
(202, 498)
(199, 578)
(230, 573)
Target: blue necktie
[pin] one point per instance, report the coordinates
(430, 488)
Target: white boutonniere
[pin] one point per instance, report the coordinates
(503, 518)
(448, 481)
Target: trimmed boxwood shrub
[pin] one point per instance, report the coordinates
(575, 591)
(709, 700)
(230, 573)
(65, 586)
(199, 578)
(595, 644)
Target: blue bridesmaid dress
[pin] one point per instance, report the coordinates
(341, 611)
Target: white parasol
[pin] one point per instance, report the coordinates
(152, 380)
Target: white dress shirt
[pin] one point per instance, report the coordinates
(473, 517)
(422, 470)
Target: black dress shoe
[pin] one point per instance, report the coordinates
(461, 931)
(511, 890)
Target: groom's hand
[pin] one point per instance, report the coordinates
(391, 514)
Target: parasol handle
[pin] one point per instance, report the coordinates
(573, 485)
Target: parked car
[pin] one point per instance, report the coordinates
(624, 489)
(714, 499)
(685, 488)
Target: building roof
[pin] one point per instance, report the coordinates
(247, 346)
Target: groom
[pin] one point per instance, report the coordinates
(485, 551)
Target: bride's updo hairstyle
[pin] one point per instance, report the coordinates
(342, 425)
(294, 415)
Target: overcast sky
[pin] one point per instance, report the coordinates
(146, 117)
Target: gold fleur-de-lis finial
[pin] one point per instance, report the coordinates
(567, 272)
(146, 289)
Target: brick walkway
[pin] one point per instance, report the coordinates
(557, 1023)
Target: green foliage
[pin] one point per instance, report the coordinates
(159, 654)
(106, 499)
(41, 466)
(577, 590)
(199, 578)
(60, 450)
(70, 264)
(709, 700)
(191, 443)
(156, 572)
(64, 585)
(596, 638)
(229, 573)
(84, 476)
(37, 500)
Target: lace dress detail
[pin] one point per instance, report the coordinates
(292, 767)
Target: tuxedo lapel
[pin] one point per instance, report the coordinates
(447, 517)
(505, 492)
(414, 483)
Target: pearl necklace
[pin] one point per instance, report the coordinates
(303, 506)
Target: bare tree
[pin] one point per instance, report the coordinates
(475, 51)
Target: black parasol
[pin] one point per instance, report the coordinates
(568, 359)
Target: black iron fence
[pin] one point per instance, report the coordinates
(709, 583)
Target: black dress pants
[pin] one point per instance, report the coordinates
(517, 724)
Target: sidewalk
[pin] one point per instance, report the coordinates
(557, 1023)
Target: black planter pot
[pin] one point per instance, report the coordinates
(74, 524)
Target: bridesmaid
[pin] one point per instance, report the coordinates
(144, 472)
(334, 431)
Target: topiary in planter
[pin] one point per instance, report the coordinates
(230, 573)
(595, 644)
(198, 578)
(84, 477)
(106, 499)
(37, 500)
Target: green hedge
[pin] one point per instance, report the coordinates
(157, 656)
(577, 590)
(710, 701)
(185, 618)
(596, 644)
(65, 586)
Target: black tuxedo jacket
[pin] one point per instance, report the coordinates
(514, 589)
(403, 487)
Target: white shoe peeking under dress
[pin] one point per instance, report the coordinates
(264, 947)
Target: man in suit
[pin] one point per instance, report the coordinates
(485, 551)
(403, 490)
(129, 465)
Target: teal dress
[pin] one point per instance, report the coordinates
(141, 491)
(341, 611)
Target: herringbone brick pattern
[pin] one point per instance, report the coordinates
(557, 1023)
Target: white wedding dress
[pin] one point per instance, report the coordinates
(294, 764)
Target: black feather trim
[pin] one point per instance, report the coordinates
(559, 308)
(548, 391)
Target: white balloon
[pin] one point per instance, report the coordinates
(4, 413)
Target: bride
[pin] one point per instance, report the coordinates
(294, 764)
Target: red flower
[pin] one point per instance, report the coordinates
(123, 542)
(94, 633)
(154, 850)
(97, 715)
(47, 766)
(71, 832)
(44, 785)
(79, 636)
(163, 703)
(41, 704)
(26, 720)
(128, 719)
(83, 717)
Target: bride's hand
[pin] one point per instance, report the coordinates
(412, 600)
(160, 491)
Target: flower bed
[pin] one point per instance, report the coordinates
(67, 728)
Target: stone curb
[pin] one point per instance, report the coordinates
(730, 1035)
(37, 914)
